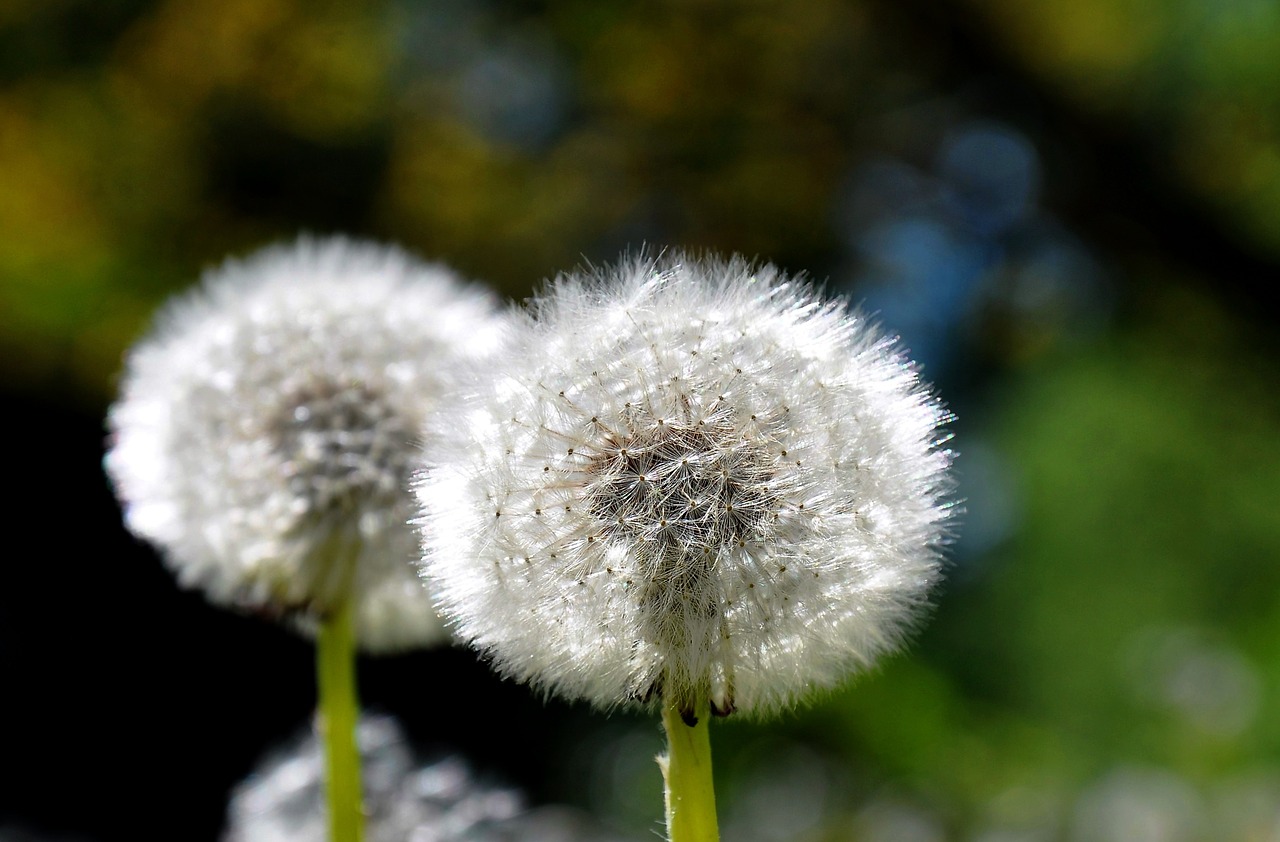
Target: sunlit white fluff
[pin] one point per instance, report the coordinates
(265, 427)
(691, 480)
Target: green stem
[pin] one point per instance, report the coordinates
(686, 769)
(339, 710)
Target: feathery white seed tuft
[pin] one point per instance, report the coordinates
(265, 429)
(691, 479)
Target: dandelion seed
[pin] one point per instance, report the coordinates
(761, 471)
(265, 430)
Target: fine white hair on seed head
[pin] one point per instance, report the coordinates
(691, 479)
(265, 429)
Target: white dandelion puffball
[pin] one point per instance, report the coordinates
(283, 800)
(693, 480)
(265, 430)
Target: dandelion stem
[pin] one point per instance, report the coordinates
(686, 769)
(336, 676)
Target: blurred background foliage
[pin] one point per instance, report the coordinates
(1069, 209)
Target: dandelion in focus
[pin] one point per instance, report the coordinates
(694, 484)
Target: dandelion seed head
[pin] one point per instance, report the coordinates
(693, 480)
(266, 429)
(405, 800)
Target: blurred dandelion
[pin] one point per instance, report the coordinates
(263, 440)
(265, 429)
(442, 801)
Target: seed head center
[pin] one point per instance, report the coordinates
(342, 446)
(670, 488)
